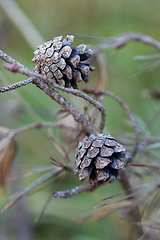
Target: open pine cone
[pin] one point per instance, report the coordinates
(58, 61)
(99, 157)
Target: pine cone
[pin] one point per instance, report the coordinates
(60, 62)
(98, 156)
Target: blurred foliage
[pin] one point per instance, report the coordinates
(98, 18)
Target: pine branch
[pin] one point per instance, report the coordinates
(121, 40)
(9, 59)
(15, 66)
(98, 92)
(79, 117)
(15, 85)
(79, 189)
(16, 69)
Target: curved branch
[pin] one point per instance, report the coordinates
(11, 60)
(15, 85)
(127, 109)
(79, 189)
(79, 117)
(40, 125)
(18, 67)
(121, 40)
(95, 91)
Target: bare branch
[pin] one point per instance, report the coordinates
(98, 92)
(40, 125)
(79, 189)
(15, 69)
(122, 39)
(16, 85)
(127, 109)
(9, 59)
(79, 117)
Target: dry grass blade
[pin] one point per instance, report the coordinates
(154, 225)
(59, 148)
(144, 165)
(103, 212)
(27, 173)
(74, 143)
(127, 210)
(8, 149)
(49, 182)
(63, 113)
(38, 218)
(17, 196)
(127, 190)
(145, 188)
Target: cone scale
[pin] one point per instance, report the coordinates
(99, 158)
(58, 61)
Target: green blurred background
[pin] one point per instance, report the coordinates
(99, 18)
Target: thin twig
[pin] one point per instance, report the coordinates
(17, 196)
(153, 226)
(79, 189)
(98, 92)
(29, 73)
(58, 146)
(127, 109)
(154, 166)
(79, 117)
(21, 101)
(121, 40)
(40, 125)
(11, 60)
(15, 85)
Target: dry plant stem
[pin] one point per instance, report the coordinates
(52, 93)
(125, 106)
(21, 101)
(69, 193)
(40, 125)
(15, 85)
(9, 59)
(75, 92)
(24, 70)
(136, 216)
(122, 39)
(80, 94)
(79, 117)
(18, 195)
(154, 225)
(99, 92)
(95, 103)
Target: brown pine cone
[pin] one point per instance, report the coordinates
(58, 61)
(99, 157)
